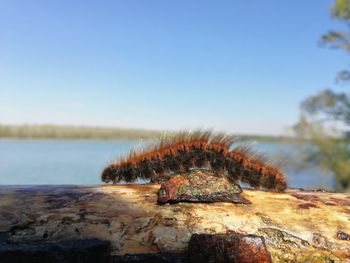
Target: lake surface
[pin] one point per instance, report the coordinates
(81, 162)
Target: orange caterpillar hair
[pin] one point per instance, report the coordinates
(182, 151)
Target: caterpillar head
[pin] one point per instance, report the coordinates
(281, 183)
(112, 173)
(273, 178)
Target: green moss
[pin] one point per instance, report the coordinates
(203, 183)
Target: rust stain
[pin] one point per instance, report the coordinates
(307, 206)
(330, 203)
(342, 202)
(306, 197)
(326, 199)
(233, 247)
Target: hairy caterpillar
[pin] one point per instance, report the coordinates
(183, 151)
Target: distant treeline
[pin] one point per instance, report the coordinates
(94, 133)
(72, 132)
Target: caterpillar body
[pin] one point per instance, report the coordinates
(183, 151)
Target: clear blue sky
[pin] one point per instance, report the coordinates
(238, 66)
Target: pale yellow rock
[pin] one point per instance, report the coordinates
(297, 226)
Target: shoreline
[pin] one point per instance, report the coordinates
(241, 138)
(90, 133)
(71, 139)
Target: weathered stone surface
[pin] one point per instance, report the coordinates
(199, 186)
(128, 217)
(289, 248)
(152, 258)
(69, 251)
(228, 248)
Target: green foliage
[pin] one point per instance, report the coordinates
(338, 39)
(324, 150)
(341, 10)
(329, 105)
(329, 147)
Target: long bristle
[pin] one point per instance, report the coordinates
(179, 152)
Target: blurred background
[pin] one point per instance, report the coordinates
(81, 82)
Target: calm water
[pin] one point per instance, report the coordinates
(81, 162)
